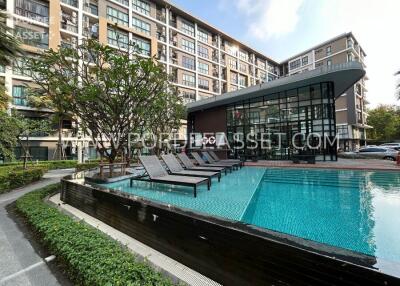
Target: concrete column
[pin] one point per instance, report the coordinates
(54, 24)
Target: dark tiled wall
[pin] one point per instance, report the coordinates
(230, 253)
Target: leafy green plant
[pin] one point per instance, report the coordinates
(11, 178)
(86, 166)
(92, 258)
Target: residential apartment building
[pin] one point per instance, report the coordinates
(351, 112)
(202, 60)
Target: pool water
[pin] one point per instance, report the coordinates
(354, 210)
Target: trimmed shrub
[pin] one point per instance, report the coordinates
(86, 166)
(11, 178)
(92, 258)
(51, 165)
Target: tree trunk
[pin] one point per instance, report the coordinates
(59, 155)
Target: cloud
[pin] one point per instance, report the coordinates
(375, 25)
(270, 19)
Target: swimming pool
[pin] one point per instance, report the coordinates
(353, 210)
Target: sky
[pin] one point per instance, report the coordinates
(282, 28)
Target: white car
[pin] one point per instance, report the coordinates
(395, 146)
(380, 152)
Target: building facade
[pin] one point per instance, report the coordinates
(351, 112)
(202, 60)
(292, 115)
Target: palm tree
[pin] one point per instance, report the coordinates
(9, 45)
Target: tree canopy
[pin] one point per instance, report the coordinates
(112, 92)
(9, 49)
(385, 120)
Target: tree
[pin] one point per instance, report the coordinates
(9, 131)
(111, 91)
(25, 128)
(9, 49)
(48, 92)
(398, 86)
(385, 121)
(9, 45)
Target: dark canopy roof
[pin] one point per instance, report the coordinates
(343, 76)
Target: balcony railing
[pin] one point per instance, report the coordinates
(69, 27)
(32, 15)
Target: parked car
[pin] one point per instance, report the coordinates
(395, 146)
(378, 153)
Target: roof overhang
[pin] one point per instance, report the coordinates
(343, 76)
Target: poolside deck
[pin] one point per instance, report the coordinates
(348, 164)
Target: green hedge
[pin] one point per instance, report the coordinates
(51, 165)
(92, 258)
(11, 178)
(86, 166)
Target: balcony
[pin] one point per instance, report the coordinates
(69, 21)
(90, 27)
(33, 15)
(172, 20)
(161, 56)
(160, 15)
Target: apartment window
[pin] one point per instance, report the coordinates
(263, 75)
(232, 63)
(328, 50)
(188, 96)
(203, 68)
(118, 38)
(304, 61)
(242, 80)
(319, 64)
(203, 84)
(188, 80)
(188, 45)
(117, 16)
(33, 9)
(202, 51)
(342, 131)
(242, 67)
(243, 55)
(329, 63)
(141, 26)
(349, 43)
(187, 28)
(18, 68)
(123, 2)
(202, 36)
(141, 6)
(261, 64)
(350, 57)
(143, 45)
(32, 38)
(188, 62)
(19, 96)
(234, 78)
(295, 64)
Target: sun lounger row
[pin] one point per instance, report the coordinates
(189, 174)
